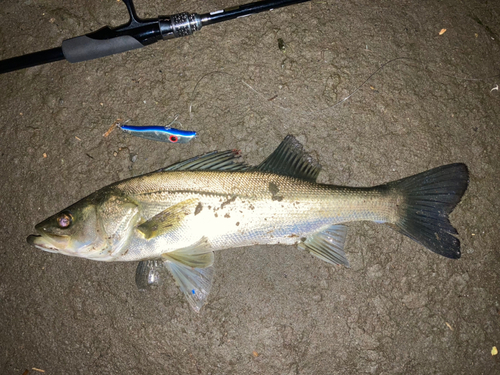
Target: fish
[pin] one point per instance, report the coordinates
(159, 133)
(173, 219)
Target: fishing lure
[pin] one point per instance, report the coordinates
(159, 133)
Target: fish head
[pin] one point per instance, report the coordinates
(74, 231)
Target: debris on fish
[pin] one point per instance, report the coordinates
(159, 133)
(175, 218)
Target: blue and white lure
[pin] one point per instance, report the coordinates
(159, 133)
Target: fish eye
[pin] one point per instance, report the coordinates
(173, 138)
(64, 220)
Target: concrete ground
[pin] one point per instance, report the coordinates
(273, 309)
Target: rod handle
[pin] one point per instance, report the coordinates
(83, 48)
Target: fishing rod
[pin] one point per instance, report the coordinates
(137, 33)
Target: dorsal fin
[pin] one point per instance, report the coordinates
(213, 161)
(290, 159)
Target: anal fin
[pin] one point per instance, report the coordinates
(327, 245)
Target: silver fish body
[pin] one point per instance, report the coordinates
(176, 217)
(233, 209)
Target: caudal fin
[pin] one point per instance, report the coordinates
(426, 201)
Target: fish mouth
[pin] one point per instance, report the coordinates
(41, 243)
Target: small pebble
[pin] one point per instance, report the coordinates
(317, 298)
(281, 44)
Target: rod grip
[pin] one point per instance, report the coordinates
(83, 48)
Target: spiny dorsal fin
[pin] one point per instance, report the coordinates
(290, 159)
(213, 161)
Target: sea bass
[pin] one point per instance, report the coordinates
(176, 217)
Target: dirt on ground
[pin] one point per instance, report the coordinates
(375, 90)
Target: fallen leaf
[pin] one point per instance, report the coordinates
(255, 354)
(44, 155)
(494, 351)
(442, 31)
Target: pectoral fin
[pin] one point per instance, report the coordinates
(328, 245)
(170, 219)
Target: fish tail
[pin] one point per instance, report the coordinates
(426, 200)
